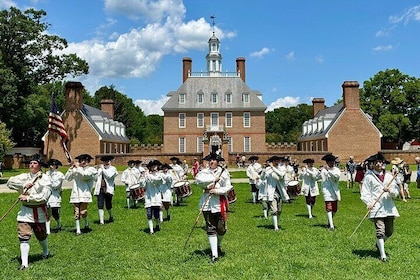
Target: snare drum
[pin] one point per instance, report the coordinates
(137, 192)
(293, 188)
(182, 189)
(231, 196)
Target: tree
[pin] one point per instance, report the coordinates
(391, 98)
(5, 143)
(285, 124)
(29, 57)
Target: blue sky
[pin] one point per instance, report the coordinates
(295, 50)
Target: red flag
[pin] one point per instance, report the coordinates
(55, 122)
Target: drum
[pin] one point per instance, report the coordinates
(182, 189)
(293, 188)
(137, 192)
(231, 196)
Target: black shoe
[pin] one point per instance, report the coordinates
(111, 219)
(46, 257)
(157, 228)
(57, 229)
(214, 259)
(219, 250)
(384, 259)
(22, 267)
(168, 218)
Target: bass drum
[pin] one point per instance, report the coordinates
(182, 189)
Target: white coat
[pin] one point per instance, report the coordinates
(57, 179)
(37, 195)
(261, 185)
(166, 187)
(108, 173)
(329, 184)
(84, 178)
(309, 178)
(252, 172)
(275, 182)
(152, 182)
(130, 177)
(372, 188)
(206, 177)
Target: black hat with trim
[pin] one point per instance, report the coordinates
(165, 166)
(329, 157)
(308, 160)
(86, 157)
(213, 156)
(274, 158)
(54, 161)
(106, 158)
(152, 163)
(38, 158)
(377, 157)
(251, 158)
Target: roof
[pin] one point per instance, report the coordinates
(94, 116)
(208, 85)
(330, 115)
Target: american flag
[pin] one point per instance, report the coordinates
(55, 122)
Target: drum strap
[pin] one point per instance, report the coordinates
(224, 206)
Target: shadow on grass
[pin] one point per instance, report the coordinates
(32, 258)
(366, 253)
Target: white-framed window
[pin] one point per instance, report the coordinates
(247, 119)
(247, 144)
(245, 97)
(214, 119)
(181, 121)
(104, 148)
(228, 97)
(228, 119)
(110, 148)
(182, 144)
(200, 145)
(181, 98)
(200, 98)
(230, 144)
(200, 119)
(322, 145)
(214, 97)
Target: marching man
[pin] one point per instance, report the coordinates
(253, 170)
(309, 176)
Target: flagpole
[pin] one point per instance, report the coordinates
(48, 131)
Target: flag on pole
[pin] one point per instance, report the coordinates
(55, 122)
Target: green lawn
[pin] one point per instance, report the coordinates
(303, 249)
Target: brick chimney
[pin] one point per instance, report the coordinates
(240, 67)
(351, 98)
(318, 104)
(107, 106)
(73, 96)
(186, 68)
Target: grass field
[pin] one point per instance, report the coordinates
(302, 249)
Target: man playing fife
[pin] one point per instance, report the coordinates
(309, 176)
(130, 177)
(377, 191)
(215, 182)
(253, 170)
(275, 188)
(34, 188)
(330, 175)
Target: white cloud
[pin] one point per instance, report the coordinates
(150, 107)
(291, 56)
(286, 102)
(383, 48)
(319, 59)
(260, 53)
(6, 4)
(411, 14)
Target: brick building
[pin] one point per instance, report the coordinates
(343, 129)
(214, 110)
(90, 130)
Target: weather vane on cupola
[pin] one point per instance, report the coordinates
(212, 18)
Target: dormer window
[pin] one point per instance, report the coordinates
(200, 98)
(181, 98)
(228, 97)
(214, 97)
(245, 97)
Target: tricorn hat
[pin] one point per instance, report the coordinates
(273, 158)
(107, 158)
(377, 157)
(137, 161)
(251, 158)
(309, 160)
(152, 163)
(38, 158)
(174, 159)
(165, 166)
(329, 157)
(213, 156)
(130, 162)
(54, 161)
(84, 157)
